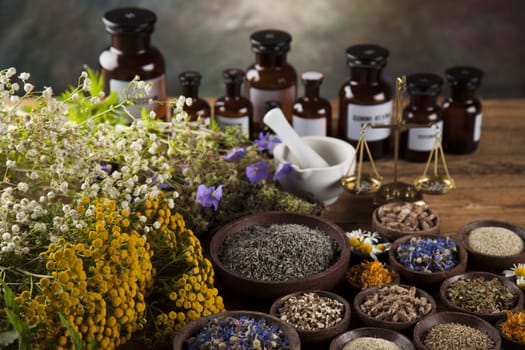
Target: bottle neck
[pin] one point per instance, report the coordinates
(136, 42)
(460, 93)
(311, 90)
(190, 91)
(233, 90)
(366, 76)
(270, 60)
(423, 101)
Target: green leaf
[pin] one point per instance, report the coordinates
(75, 337)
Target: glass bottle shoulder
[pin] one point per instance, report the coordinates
(366, 94)
(277, 77)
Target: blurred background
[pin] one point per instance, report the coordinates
(53, 40)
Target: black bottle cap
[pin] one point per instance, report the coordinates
(129, 20)
(190, 77)
(424, 84)
(270, 41)
(466, 76)
(269, 105)
(366, 55)
(233, 75)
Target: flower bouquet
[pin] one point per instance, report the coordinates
(101, 216)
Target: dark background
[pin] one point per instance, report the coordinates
(53, 39)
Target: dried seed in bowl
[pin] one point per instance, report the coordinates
(371, 343)
(396, 304)
(406, 217)
(455, 336)
(495, 241)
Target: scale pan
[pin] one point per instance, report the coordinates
(434, 184)
(367, 184)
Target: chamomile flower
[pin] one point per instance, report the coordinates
(520, 282)
(367, 243)
(517, 270)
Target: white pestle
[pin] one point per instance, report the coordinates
(306, 155)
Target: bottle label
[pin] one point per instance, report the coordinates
(259, 96)
(422, 139)
(242, 122)
(309, 126)
(477, 127)
(358, 115)
(140, 98)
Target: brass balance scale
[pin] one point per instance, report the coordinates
(371, 183)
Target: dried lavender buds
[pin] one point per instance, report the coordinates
(453, 335)
(424, 254)
(242, 332)
(495, 241)
(279, 252)
(481, 295)
(406, 217)
(310, 311)
(396, 303)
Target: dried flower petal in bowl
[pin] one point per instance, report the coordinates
(370, 274)
(367, 244)
(512, 329)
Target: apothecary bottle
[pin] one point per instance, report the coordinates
(271, 77)
(131, 54)
(366, 98)
(462, 111)
(233, 109)
(312, 114)
(417, 141)
(190, 82)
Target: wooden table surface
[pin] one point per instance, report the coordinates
(490, 182)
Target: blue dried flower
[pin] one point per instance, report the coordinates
(266, 141)
(209, 196)
(283, 169)
(257, 171)
(236, 154)
(428, 254)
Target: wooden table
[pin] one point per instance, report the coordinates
(490, 182)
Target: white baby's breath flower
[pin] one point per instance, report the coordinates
(22, 187)
(152, 115)
(47, 94)
(189, 101)
(10, 72)
(24, 76)
(6, 236)
(28, 87)
(14, 99)
(156, 225)
(10, 163)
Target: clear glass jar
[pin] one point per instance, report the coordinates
(366, 98)
(190, 82)
(233, 108)
(271, 77)
(312, 114)
(131, 54)
(417, 142)
(462, 111)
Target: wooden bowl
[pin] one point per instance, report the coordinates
(266, 289)
(194, 327)
(356, 288)
(483, 262)
(490, 317)
(506, 343)
(402, 327)
(320, 336)
(392, 234)
(425, 325)
(402, 341)
(425, 280)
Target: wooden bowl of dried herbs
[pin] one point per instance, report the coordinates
(270, 254)
(370, 273)
(492, 245)
(482, 294)
(397, 219)
(237, 330)
(396, 307)
(512, 331)
(317, 316)
(455, 330)
(425, 261)
(371, 338)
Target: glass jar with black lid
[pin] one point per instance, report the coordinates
(366, 98)
(190, 82)
(131, 54)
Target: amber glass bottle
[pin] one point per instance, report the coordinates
(271, 77)
(233, 108)
(417, 142)
(462, 113)
(312, 114)
(366, 98)
(200, 108)
(131, 54)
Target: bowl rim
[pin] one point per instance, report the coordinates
(376, 223)
(190, 328)
(274, 308)
(464, 231)
(238, 224)
(385, 333)
(495, 315)
(460, 266)
(359, 298)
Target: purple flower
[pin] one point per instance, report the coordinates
(236, 154)
(257, 171)
(283, 169)
(266, 141)
(209, 196)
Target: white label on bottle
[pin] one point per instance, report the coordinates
(140, 98)
(258, 97)
(309, 126)
(242, 122)
(477, 127)
(422, 139)
(358, 115)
